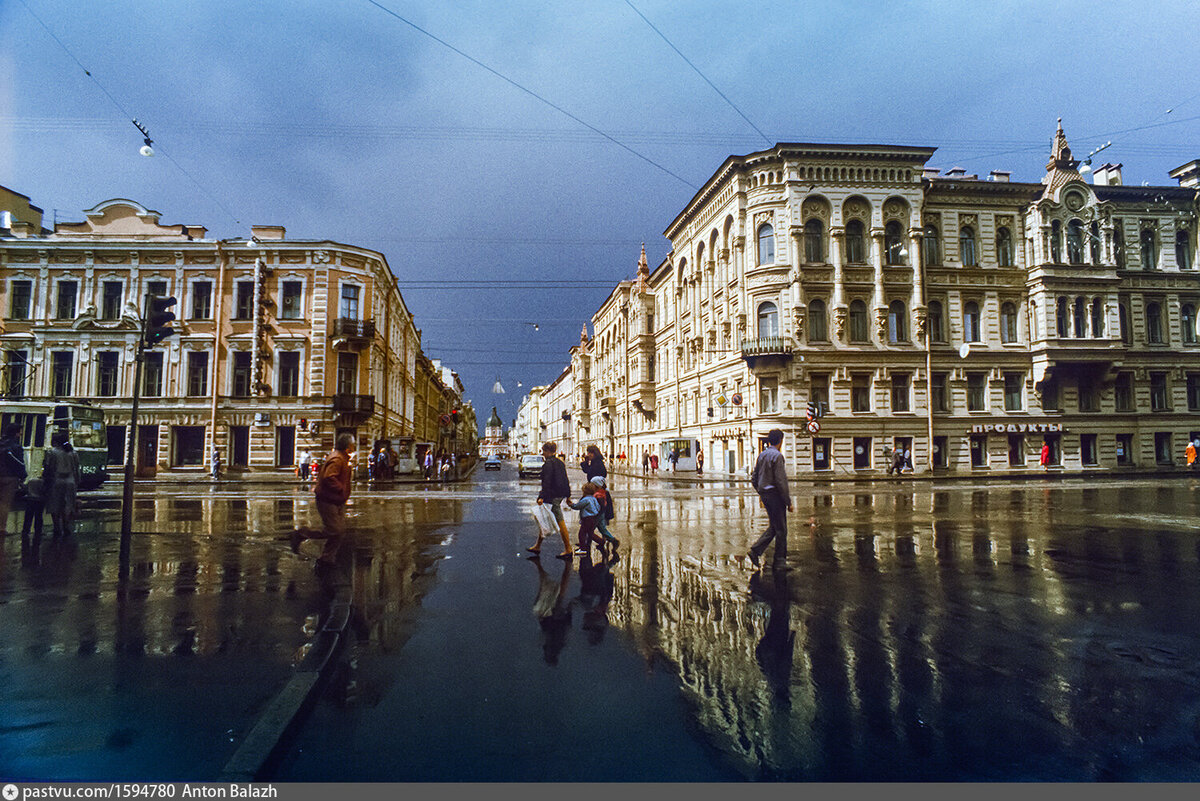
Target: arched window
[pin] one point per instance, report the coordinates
(1008, 322)
(1123, 321)
(1154, 324)
(1094, 239)
(966, 247)
(931, 244)
(1004, 248)
(1183, 250)
(1062, 314)
(897, 322)
(766, 244)
(936, 320)
(768, 320)
(1080, 318)
(1119, 244)
(1149, 249)
(860, 329)
(1056, 242)
(1187, 323)
(856, 250)
(971, 322)
(1075, 241)
(1097, 317)
(893, 242)
(818, 321)
(814, 242)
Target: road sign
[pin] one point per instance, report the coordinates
(722, 400)
(813, 426)
(737, 399)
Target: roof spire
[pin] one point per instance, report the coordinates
(643, 271)
(1060, 156)
(583, 337)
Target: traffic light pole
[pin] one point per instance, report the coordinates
(131, 450)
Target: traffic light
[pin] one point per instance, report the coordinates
(454, 416)
(158, 320)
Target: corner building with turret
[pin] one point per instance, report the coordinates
(866, 304)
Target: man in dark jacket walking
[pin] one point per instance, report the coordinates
(770, 481)
(333, 491)
(555, 489)
(12, 471)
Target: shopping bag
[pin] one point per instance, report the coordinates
(545, 519)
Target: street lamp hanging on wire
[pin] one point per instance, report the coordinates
(497, 388)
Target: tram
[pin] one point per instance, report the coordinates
(41, 419)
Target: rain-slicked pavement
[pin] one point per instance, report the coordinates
(924, 631)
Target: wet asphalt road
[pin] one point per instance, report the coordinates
(944, 631)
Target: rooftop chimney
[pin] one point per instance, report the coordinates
(1188, 175)
(931, 172)
(267, 231)
(1107, 175)
(955, 172)
(1000, 176)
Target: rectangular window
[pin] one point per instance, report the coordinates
(347, 374)
(818, 391)
(979, 450)
(111, 296)
(64, 308)
(939, 394)
(1125, 449)
(976, 392)
(241, 373)
(349, 307)
(157, 289)
(768, 395)
(152, 374)
(900, 393)
(17, 362)
(1162, 448)
(860, 392)
(202, 300)
(1088, 453)
(197, 372)
(862, 453)
(291, 307)
(187, 446)
(61, 367)
(20, 296)
(107, 364)
(1158, 392)
(243, 308)
(821, 447)
(1014, 392)
(1051, 397)
(1016, 450)
(1123, 395)
(1193, 392)
(1089, 396)
(289, 373)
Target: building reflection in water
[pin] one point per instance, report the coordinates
(1019, 632)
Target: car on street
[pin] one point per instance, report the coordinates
(530, 465)
(492, 462)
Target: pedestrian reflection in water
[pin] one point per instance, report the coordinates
(774, 651)
(595, 593)
(553, 610)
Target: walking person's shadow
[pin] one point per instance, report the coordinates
(775, 650)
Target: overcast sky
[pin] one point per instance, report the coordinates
(340, 121)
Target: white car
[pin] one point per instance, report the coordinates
(530, 465)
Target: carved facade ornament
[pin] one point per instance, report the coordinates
(933, 218)
(839, 322)
(762, 217)
(856, 208)
(320, 257)
(798, 321)
(922, 321)
(814, 207)
(894, 209)
(881, 321)
(968, 219)
(1006, 221)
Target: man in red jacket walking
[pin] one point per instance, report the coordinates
(332, 490)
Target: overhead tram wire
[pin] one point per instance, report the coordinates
(688, 61)
(131, 118)
(534, 95)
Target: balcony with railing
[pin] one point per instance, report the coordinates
(357, 405)
(357, 331)
(768, 351)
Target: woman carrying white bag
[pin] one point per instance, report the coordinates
(555, 489)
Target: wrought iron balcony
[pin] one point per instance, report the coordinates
(351, 328)
(767, 346)
(354, 404)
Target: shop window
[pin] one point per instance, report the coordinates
(1088, 452)
(1016, 450)
(1163, 454)
(941, 451)
(187, 447)
(1125, 450)
(979, 450)
(821, 453)
(862, 453)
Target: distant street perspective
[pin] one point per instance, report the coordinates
(921, 631)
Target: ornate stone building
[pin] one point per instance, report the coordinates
(971, 323)
(282, 344)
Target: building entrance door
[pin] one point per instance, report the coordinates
(147, 450)
(239, 446)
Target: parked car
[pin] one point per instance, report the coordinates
(492, 462)
(530, 465)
